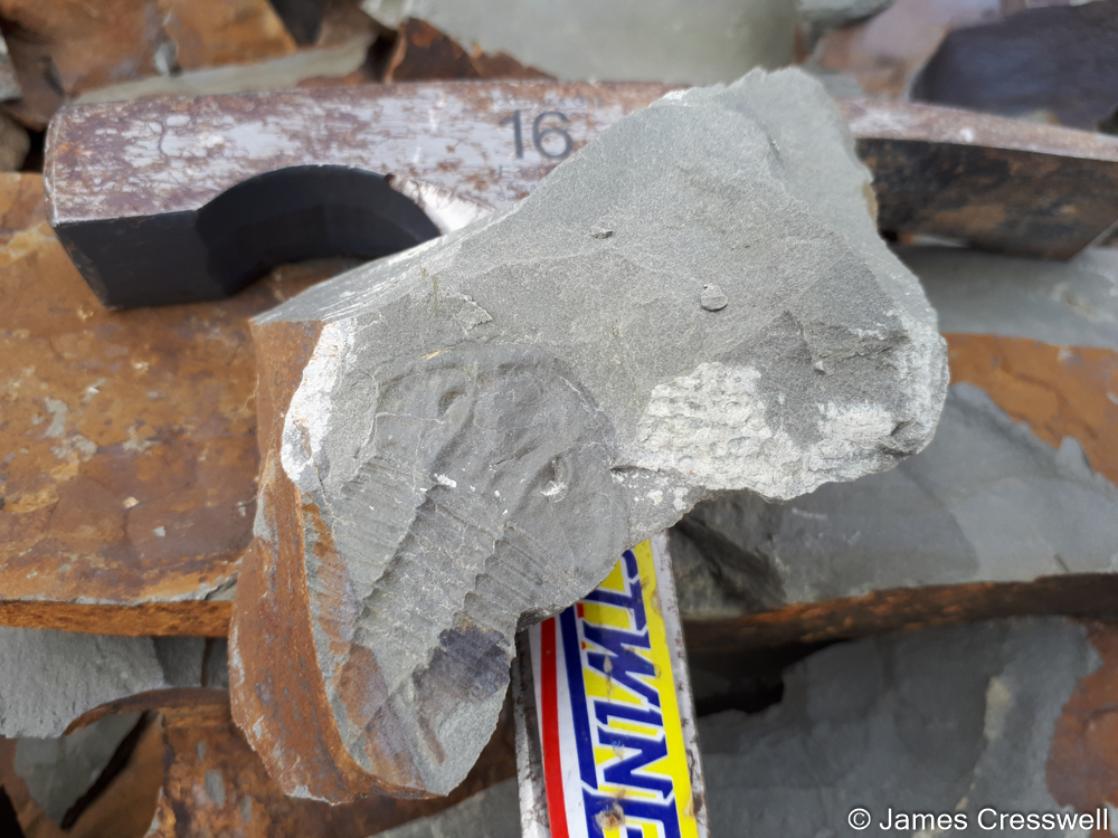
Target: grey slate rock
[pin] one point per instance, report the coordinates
(471, 404)
(940, 720)
(52, 677)
(1072, 303)
(655, 40)
(986, 501)
(943, 720)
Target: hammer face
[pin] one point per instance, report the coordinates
(138, 188)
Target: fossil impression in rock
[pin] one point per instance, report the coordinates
(464, 437)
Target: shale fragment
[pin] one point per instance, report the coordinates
(466, 436)
(59, 676)
(1012, 508)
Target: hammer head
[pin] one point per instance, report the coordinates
(178, 199)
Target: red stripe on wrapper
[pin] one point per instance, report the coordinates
(549, 712)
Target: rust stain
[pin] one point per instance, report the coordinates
(1083, 757)
(127, 440)
(201, 743)
(278, 690)
(123, 809)
(64, 47)
(1059, 391)
(231, 32)
(199, 618)
(421, 52)
(716, 641)
(273, 672)
(193, 769)
(996, 183)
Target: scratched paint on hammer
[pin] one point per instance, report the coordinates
(614, 717)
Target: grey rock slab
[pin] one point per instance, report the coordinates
(827, 14)
(52, 677)
(274, 74)
(986, 501)
(942, 720)
(470, 406)
(1072, 303)
(58, 771)
(655, 40)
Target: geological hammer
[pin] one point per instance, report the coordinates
(181, 199)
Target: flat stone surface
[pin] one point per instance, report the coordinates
(943, 720)
(492, 813)
(335, 64)
(668, 40)
(54, 677)
(439, 426)
(1070, 304)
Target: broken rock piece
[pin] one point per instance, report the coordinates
(944, 720)
(465, 436)
(60, 676)
(1013, 507)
